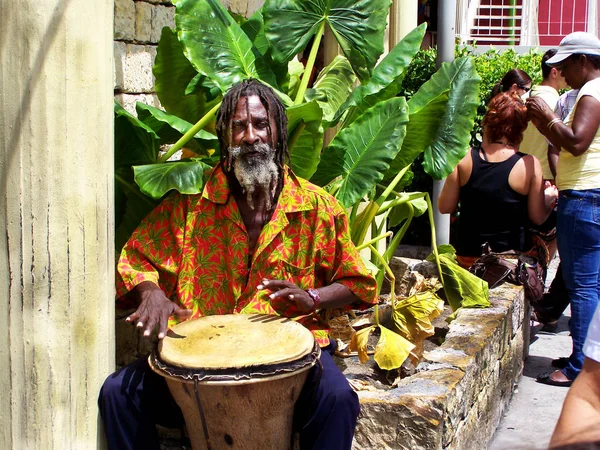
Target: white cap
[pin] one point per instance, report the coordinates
(578, 42)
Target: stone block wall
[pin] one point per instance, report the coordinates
(138, 27)
(462, 388)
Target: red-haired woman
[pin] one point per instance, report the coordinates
(499, 189)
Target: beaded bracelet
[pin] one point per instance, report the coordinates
(552, 122)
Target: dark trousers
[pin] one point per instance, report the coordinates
(555, 301)
(134, 399)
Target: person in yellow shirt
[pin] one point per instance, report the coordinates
(535, 143)
(578, 181)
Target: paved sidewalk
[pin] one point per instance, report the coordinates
(535, 407)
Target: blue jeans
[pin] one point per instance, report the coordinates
(578, 234)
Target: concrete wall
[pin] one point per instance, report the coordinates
(56, 221)
(462, 388)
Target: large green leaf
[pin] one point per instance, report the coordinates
(173, 73)
(387, 76)
(441, 118)
(254, 28)
(332, 87)
(216, 45)
(462, 288)
(362, 152)
(131, 206)
(304, 112)
(155, 180)
(135, 142)
(306, 154)
(305, 137)
(201, 83)
(453, 135)
(401, 212)
(358, 26)
(170, 128)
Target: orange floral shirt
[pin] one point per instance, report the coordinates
(195, 247)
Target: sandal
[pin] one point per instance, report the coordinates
(560, 363)
(544, 378)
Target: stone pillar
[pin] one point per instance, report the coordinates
(56, 221)
(403, 19)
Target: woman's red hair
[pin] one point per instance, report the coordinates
(505, 119)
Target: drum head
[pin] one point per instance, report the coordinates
(235, 341)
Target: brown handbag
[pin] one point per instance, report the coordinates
(513, 267)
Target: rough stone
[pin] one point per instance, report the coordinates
(457, 397)
(128, 101)
(401, 267)
(120, 50)
(124, 19)
(143, 21)
(253, 6)
(162, 16)
(413, 251)
(239, 7)
(426, 268)
(137, 68)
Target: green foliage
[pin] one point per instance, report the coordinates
(211, 51)
(462, 288)
(492, 66)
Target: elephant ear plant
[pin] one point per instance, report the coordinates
(378, 134)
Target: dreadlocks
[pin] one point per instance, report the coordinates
(270, 101)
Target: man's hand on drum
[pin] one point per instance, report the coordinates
(155, 309)
(285, 294)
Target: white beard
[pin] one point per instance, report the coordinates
(258, 174)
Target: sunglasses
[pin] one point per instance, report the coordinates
(526, 89)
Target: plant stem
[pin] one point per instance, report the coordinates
(389, 252)
(372, 241)
(383, 197)
(190, 133)
(310, 64)
(390, 273)
(433, 240)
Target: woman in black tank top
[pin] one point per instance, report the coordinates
(499, 189)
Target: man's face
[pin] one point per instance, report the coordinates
(570, 69)
(252, 150)
(250, 123)
(561, 82)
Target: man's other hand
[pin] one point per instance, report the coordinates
(287, 298)
(155, 309)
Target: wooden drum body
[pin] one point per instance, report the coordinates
(236, 378)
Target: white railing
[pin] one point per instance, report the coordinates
(523, 22)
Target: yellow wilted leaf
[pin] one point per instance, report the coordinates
(414, 315)
(359, 343)
(391, 350)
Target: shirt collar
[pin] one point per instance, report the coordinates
(294, 196)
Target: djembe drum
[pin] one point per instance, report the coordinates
(236, 378)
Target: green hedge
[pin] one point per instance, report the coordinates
(491, 66)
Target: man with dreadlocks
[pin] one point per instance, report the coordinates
(257, 240)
